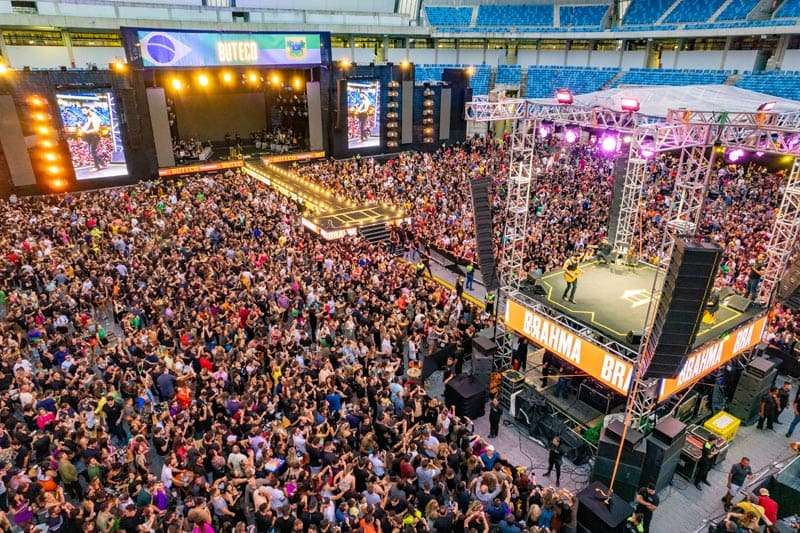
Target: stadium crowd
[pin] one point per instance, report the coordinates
(182, 356)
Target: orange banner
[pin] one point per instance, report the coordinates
(712, 355)
(609, 369)
(192, 169)
(299, 156)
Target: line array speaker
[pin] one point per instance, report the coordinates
(484, 240)
(687, 287)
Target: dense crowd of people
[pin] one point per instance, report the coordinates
(183, 356)
(190, 149)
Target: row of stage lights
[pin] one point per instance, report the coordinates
(227, 78)
(44, 152)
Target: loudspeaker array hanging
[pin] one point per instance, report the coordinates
(392, 123)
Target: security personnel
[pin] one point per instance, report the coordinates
(704, 465)
(490, 303)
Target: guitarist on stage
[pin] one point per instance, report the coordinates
(90, 133)
(571, 274)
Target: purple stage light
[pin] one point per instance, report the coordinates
(570, 136)
(608, 143)
(734, 156)
(759, 154)
(544, 131)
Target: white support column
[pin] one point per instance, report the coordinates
(631, 198)
(785, 233)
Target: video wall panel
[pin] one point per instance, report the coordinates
(363, 114)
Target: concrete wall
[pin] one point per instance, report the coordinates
(37, 56)
(791, 60)
(100, 55)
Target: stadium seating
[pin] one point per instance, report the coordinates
(785, 84)
(543, 81)
(508, 75)
(693, 11)
(515, 15)
(737, 10)
(480, 80)
(646, 11)
(641, 76)
(449, 16)
(582, 15)
(790, 8)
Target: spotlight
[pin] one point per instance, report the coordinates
(46, 143)
(42, 130)
(176, 84)
(470, 71)
(345, 63)
(252, 77)
(629, 104)
(627, 139)
(3, 69)
(647, 148)
(118, 66)
(54, 169)
(736, 155)
(227, 77)
(767, 106)
(275, 79)
(41, 117)
(50, 156)
(36, 101)
(297, 83)
(571, 135)
(202, 79)
(564, 96)
(58, 183)
(404, 64)
(608, 143)
(759, 154)
(544, 131)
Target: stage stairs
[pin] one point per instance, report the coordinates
(375, 233)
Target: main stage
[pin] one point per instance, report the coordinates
(614, 301)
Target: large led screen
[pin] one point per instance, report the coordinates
(92, 130)
(209, 49)
(363, 114)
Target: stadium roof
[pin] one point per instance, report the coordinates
(656, 100)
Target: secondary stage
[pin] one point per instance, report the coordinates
(613, 300)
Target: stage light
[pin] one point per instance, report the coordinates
(42, 130)
(627, 139)
(571, 136)
(629, 104)
(119, 66)
(404, 64)
(275, 79)
(202, 80)
(759, 154)
(767, 106)
(54, 169)
(40, 117)
(252, 77)
(544, 131)
(647, 148)
(787, 159)
(345, 63)
(735, 155)
(608, 143)
(227, 77)
(46, 143)
(564, 96)
(36, 101)
(50, 156)
(58, 183)
(470, 71)
(297, 83)
(176, 84)
(3, 69)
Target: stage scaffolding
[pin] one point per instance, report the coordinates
(695, 135)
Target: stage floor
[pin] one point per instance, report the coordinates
(614, 301)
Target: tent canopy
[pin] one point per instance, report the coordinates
(657, 99)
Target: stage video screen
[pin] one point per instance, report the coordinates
(92, 131)
(363, 114)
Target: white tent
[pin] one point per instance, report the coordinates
(657, 99)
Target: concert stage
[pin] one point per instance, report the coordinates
(613, 300)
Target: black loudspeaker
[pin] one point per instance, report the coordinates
(594, 516)
(484, 346)
(738, 303)
(632, 460)
(467, 394)
(753, 384)
(484, 238)
(664, 447)
(620, 170)
(482, 367)
(634, 337)
(687, 287)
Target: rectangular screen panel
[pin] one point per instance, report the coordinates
(210, 49)
(363, 114)
(92, 129)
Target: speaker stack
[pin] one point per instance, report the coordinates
(687, 287)
(597, 516)
(753, 384)
(664, 447)
(483, 352)
(484, 236)
(629, 472)
(468, 395)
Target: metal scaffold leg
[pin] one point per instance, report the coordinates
(629, 205)
(785, 232)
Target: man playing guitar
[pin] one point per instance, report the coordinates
(571, 274)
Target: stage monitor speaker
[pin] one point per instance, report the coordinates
(687, 287)
(738, 303)
(725, 293)
(467, 394)
(661, 461)
(484, 235)
(595, 516)
(753, 384)
(482, 367)
(484, 346)
(670, 430)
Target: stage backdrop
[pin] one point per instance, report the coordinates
(211, 116)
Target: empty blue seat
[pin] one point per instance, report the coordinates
(544, 81)
(646, 11)
(785, 84)
(693, 10)
(672, 77)
(515, 15)
(790, 8)
(449, 16)
(737, 10)
(582, 15)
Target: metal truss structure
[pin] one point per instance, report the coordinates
(694, 134)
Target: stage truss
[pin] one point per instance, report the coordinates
(695, 135)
